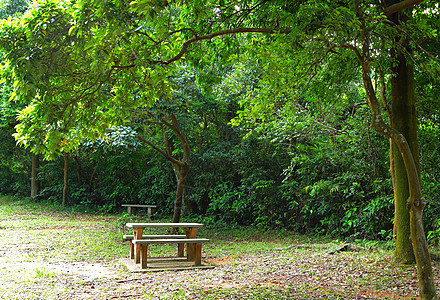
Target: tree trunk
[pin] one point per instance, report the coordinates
(181, 173)
(404, 120)
(180, 167)
(66, 173)
(35, 185)
(392, 169)
(415, 202)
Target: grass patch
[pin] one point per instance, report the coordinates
(38, 241)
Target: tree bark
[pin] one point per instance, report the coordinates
(399, 6)
(392, 169)
(181, 173)
(66, 182)
(180, 167)
(405, 121)
(35, 185)
(415, 203)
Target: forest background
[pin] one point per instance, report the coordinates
(315, 166)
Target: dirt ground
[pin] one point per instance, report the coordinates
(295, 273)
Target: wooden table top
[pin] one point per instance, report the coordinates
(161, 225)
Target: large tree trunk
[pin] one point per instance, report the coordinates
(35, 185)
(415, 203)
(404, 120)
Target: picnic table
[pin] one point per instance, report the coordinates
(139, 242)
(131, 207)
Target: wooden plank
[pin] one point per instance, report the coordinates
(181, 249)
(190, 248)
(162, 225)
(131, 250)
(180, 246)
(170, 241)
(156, 236)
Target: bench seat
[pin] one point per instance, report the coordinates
(196, 243)
(131, 207)
(180, 247)
(170, 241)
(154, 236)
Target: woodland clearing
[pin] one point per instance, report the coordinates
(53, 254)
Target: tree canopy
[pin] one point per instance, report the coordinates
(82, 67)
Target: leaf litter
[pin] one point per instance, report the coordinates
(32, 268)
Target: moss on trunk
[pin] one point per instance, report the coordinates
(404, 120)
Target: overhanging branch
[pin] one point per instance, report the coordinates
(216, 34)
(400, 6)
(164, 153)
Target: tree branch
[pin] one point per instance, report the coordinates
(216, 34)
(400, 6)
(164, 153)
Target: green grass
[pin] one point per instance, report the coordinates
(36, 235)
(54, 233)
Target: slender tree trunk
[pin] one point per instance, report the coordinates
(66, 182)
(392, 169)
(35, 185)
(180, 167)
(181, 173)
(415, 203)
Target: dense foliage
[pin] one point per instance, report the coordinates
(313, 165)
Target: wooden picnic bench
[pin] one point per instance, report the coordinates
(131, 207)
(139, 241)
(196, 243)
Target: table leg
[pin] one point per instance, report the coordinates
(131, 249)
(137, 233)
(129, 210)
(149, 212)
(198, 254)
(144, 253)
(180, 249)
(190, 247)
